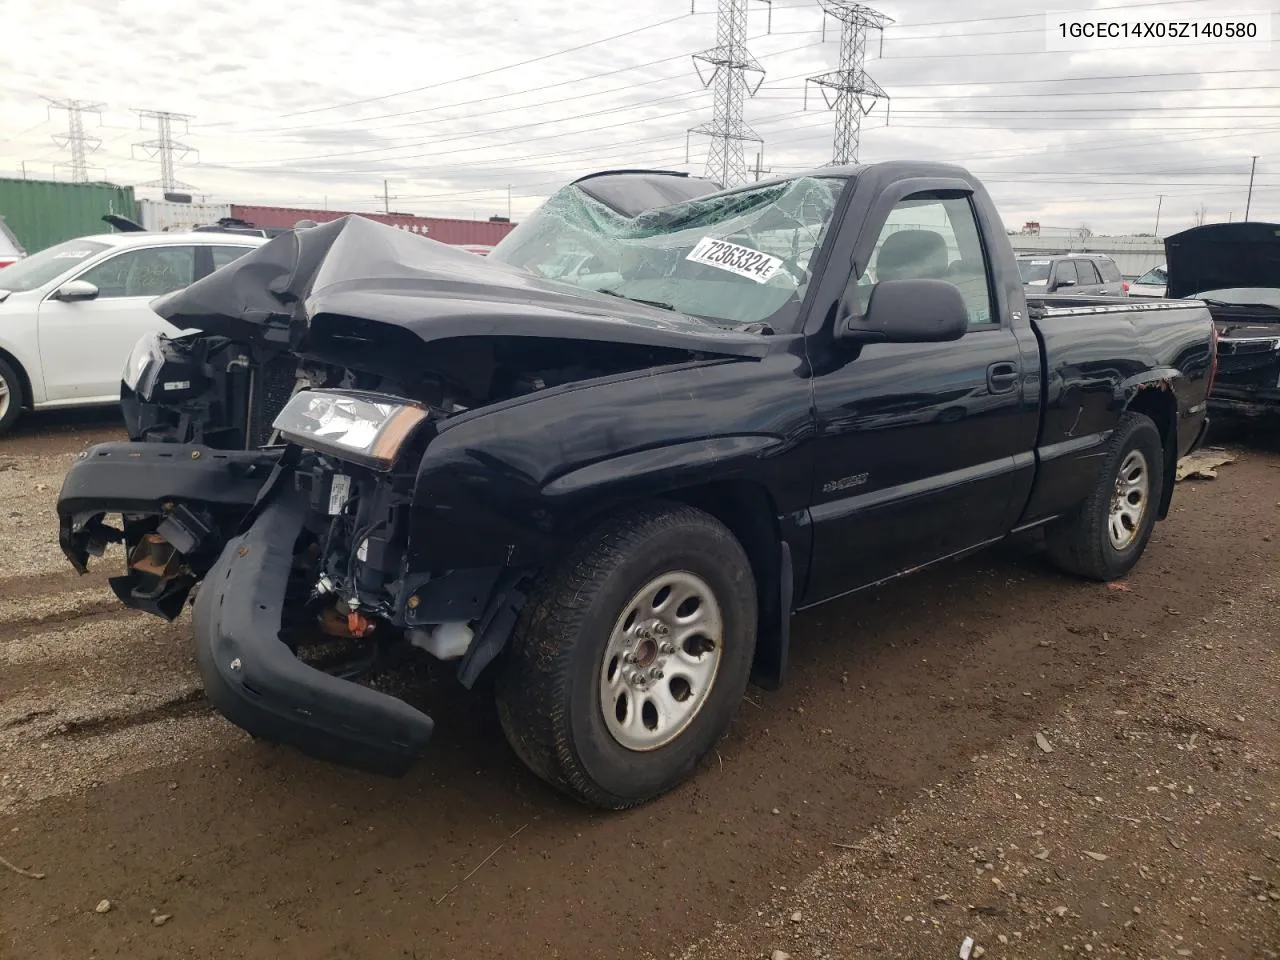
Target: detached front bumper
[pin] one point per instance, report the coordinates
(257, 683)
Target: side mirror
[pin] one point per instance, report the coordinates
(909, 311)
(74, 290)
(1067, 282)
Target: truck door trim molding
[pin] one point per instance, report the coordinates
(846, 506)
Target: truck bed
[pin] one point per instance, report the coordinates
(1100, 354)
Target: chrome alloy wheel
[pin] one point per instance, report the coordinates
(1129, 501)
(661, 661)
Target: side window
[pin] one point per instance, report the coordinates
(1088, 273)
(931, 237)
(144, 273)
(1110, 272)
(1066, 271)
(224, 255)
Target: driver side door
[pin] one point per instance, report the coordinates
(922, 447)
(84, 344)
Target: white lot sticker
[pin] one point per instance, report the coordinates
(339, 490)
(743, 261)
(72, 254)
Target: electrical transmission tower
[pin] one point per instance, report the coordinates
(729, 62)
(165, 147)
(75, 139)
(855, 93)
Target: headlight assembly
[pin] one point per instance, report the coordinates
(366, 428)
(142, 366)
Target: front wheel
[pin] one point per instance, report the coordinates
(1107, 534)
(11, 397)
(631, 657)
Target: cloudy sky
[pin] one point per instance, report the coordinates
(456, 105)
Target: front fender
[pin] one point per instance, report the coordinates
(508, 488)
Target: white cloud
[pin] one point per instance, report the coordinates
(267, 84)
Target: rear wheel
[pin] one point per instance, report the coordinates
(632, 656)
(11, 396)
(1107, 534)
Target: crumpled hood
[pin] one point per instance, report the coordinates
(1221, 255)
(358, 268)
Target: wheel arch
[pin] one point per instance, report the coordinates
(1155, 399)
(749, 511)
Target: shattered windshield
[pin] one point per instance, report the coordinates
(737, 257)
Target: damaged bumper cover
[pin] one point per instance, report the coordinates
(256, 682)
(151, 479)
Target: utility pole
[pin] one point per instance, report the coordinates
(855, 93)
(75, 138)
(386, 198)
(1159, 204)
(1249, 203)
(758, 170)
(23, 165)
(730, 62)
(164, 147)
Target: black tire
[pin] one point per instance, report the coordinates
(549, 689)
(10, 385)
(1081, 544)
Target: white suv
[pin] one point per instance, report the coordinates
(70, 314)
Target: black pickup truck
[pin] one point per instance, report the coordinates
(611, 460)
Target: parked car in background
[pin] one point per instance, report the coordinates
(1089, 274)
(612, 486)
(70, 314)
(1234, 268)
(1152, 283)
(10, 249)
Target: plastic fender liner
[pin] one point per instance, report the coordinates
(256, 682)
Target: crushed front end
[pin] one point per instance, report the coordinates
(294, 559)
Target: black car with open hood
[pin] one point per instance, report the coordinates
(1235, 269)
(608, 462)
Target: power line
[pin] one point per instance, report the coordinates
(1028, 16)
(482, 73)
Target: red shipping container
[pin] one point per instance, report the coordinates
(481, 233)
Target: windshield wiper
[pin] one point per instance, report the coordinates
(649, 303)
(1264, 307)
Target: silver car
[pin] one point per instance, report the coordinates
(1093, 274)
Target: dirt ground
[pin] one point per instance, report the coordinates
(893, 799)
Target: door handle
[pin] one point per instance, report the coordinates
(1001, 377)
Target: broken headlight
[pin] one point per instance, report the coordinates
(142, 366)
(366, 428)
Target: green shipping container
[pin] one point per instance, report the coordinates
(44, 212)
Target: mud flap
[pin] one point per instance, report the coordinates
(256, 682)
